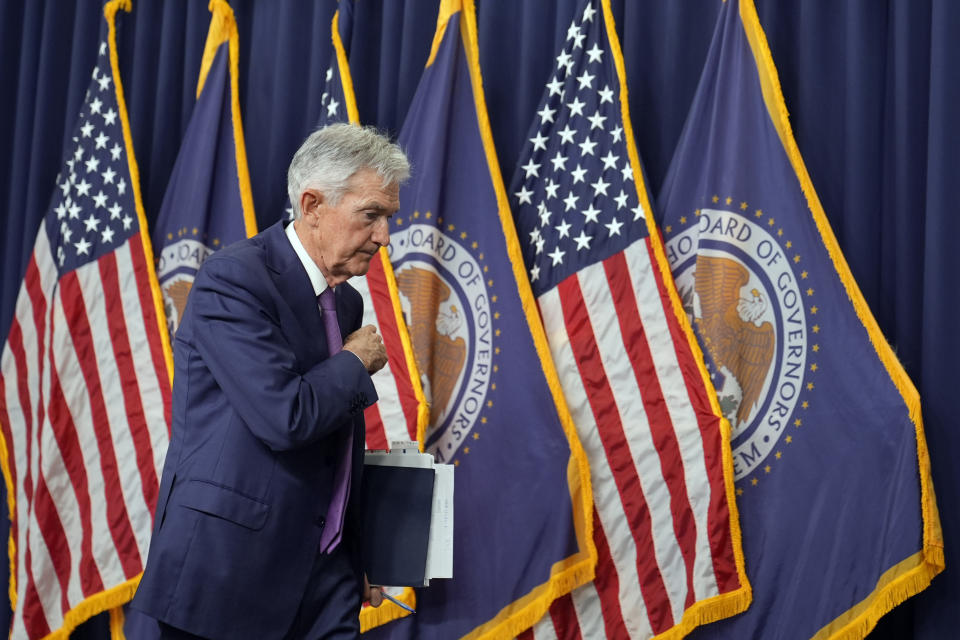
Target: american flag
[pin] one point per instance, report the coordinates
(84, 384)
(401, 412)
(662, 482)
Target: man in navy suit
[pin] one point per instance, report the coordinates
(256, 533)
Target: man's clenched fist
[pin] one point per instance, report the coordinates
(367, 344)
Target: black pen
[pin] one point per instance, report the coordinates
(397, 602)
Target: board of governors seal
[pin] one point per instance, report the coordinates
(745, 303)
(447, 309)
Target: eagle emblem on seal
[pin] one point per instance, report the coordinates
(731, 326)
(439, 352)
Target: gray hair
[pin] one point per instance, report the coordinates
(330, 156)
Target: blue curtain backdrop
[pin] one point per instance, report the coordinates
(871, 86)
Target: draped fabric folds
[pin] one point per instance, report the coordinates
(870, 86)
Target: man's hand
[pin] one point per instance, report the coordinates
(367, 344)
(373, 595)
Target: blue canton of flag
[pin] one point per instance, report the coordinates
(576, 199)
(833, 477)
(666, 530)
(208, 203)
(84, 382)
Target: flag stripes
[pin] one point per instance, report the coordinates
(668, 532)
(394, 416)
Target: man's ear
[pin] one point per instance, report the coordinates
(310, 202)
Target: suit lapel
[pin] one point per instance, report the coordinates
(294, 286)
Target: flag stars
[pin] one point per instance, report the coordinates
(596, 120)
(813, 367)
(83, 189)
(555, 87)
(766, 468)
(715, 199)
(86, 130)
(106, 236)
(757, 214)
(95, 105)
(796, 258)
(100, 200)
(564, 60)
(104, 82)
(102, 140)
(539, 142)
(332, 108)
(614, 227)
(83, 247)
(586, 147)
(563, 229)
(523, 196)
(814, 309)
(110, 116)
(816, 328)
(770, 222)
(728, 200)
(637, 212)
(572, 31)
(779, 233)
(754, 481)
(591, 214)
(621, 199)
(600, 187)
(585, 79)
(788, 439)
(595, 53)
(551, 189)
(578, 174)
(803, 275)
(616, 133)
(546, 114)
(778, 455)
(606, 94)
(556, 256)
(576, 107)
(544, 214)
(789, 244)
(810, 292)
(739, 491)
(566, 134)
(115, 151)
(92, 164)
(463, 235)
(559, 162)
(743, 206)
(610, 161)
(809, 386)
(570, 202)
(627, 172)
(583, 240)
(798, 422)
(127, 221)
(683, 219)
(102, 51)
(815, 348)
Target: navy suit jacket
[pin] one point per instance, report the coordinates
(259, 412)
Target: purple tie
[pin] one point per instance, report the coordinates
(330, 537)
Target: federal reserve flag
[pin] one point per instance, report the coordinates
(522, 508)
(208, 203)
(84, 383)
(833, 479)
(667, 537)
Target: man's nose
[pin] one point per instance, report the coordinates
(381, 232)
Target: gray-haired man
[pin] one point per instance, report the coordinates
(257, 532)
